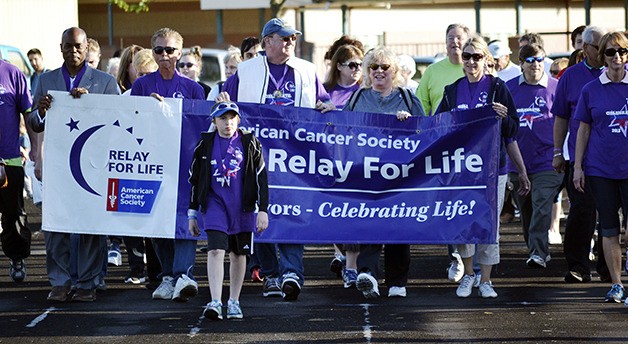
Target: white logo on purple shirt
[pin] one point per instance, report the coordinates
(620, 120)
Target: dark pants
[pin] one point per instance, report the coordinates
(15, 236)
(580, 227)
(396, 262)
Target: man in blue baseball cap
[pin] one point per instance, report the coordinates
(277, 77)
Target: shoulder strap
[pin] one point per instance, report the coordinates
(407, 98)
(354, 98)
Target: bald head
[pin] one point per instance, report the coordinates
(74, 48)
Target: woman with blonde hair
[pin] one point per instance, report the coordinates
(126, 73)
(191, 64)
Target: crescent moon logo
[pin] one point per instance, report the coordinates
(75, 158)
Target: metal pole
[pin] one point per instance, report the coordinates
(345, 23)
(518, 10)
(110, 22)
(587, 12)
(625, 14)
(478, 5)
(219, 34)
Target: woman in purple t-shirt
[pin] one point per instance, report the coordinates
(601, 147)
(345, 74)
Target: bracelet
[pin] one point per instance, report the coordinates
(558, 154)
(556, 150)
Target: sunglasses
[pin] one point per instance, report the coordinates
(475, 57)
(186, 64)
(353, 65)
(610, 52)
(159, 50)
(534, 58)
(288, 38)
(375, 66)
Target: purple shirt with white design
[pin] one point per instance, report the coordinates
(567, 94)
(224, 201)
(535, 136)
(604, 105)
(15, 98)
(472, 95)
(177, 87)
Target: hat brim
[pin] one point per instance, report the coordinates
(287, 31)
(221, 112)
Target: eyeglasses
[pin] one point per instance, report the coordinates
(475, 57)
(160, 50)
(375, 66)
(534, 58)
(353, 65)
(186, 64)
(287, 39)
(610, 52)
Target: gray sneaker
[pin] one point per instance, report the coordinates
(271, 287)
(165, 289)
(213, 310)
(233, 309)
(367, 284)
(184, 289)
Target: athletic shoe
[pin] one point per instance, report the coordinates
(486, 290)
(255, 275)
(165, 289)
(271, 287)
(397, 292)
(367, 284)
(478, 280)
(114, 258)
(233, 309)
(456, 269)
(290, 288)
(17, 270)
(336, 265)
(577, 277)
(130, 279)
(616, 294)
(466, 286)
(184, 289)
(349, 276)
(536, 261)
(554, 238)
(213, 310)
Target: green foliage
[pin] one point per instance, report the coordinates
(142, 6)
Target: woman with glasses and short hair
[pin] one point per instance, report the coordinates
(601, 145)
(478, 89)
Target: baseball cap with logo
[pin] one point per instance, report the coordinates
(220, 109)
(279, 27)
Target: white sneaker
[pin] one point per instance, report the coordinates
(456, 269)
(478, 278)
(367, 284)
(165, 289)
(397, 292)
(114, 257)
(184, 289)
(486, 290)
(536, 261)
(554, 238)
(466, 286)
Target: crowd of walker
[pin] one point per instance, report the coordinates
(563, 125)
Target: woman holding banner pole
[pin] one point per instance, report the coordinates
(382, 92)
(477, 89)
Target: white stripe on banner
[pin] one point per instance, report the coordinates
(440, 188)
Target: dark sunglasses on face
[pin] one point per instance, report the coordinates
(475, 57)
(375, 66)
(534, 58)
(186, 64)
(159, 50)
(353, 65)
(610, 52)
(288, 38)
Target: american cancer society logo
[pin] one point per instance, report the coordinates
(124, 193)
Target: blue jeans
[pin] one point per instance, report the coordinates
(291, 260)
(176, 257)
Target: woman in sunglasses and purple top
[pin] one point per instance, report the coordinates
(601, 145)
(191, 64)
(477, 89)
(345, 74)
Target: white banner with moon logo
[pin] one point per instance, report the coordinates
(111, 165)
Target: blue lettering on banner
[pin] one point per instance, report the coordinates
(131, 196)
(351, 177)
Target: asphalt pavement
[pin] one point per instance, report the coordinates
(533, 306)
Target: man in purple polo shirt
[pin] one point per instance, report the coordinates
(15, 236)
(278, 77)
(533, 92)
(581, 219)
(176, 256)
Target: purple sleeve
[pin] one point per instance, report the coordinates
(198, 92)
(561, 106)
(321, 93)
(23, 93)
(231, 87)
(583, 112)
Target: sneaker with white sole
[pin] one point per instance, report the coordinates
(114, 258)
(184, 289)
(616, 294)
(455, 271)
(271, 287)
(213, 310)
(478, 279)
(466, 286)
(397, 291)
(349, 277)
(165, 289)
(535, 261)
(233, 309)
(290, 287)
(486, 290)
(367, 284)
(17, 270)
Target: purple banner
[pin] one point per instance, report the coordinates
(352, 177)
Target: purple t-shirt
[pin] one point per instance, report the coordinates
(283, 80)
(471, 95)
(535, 136)
(177, 87)
(567, 94)
(224, 201)
(605, 107)
(340, 95)
(15, 98)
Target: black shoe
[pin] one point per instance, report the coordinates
(577, 277)
(290, 288)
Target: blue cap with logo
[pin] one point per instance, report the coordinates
(220, 109)
(279, 27)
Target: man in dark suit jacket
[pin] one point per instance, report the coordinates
(78, 78)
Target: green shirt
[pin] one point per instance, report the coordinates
(433, 82)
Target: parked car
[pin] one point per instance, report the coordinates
(213, 66)
(17, 58)
(422, 62)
